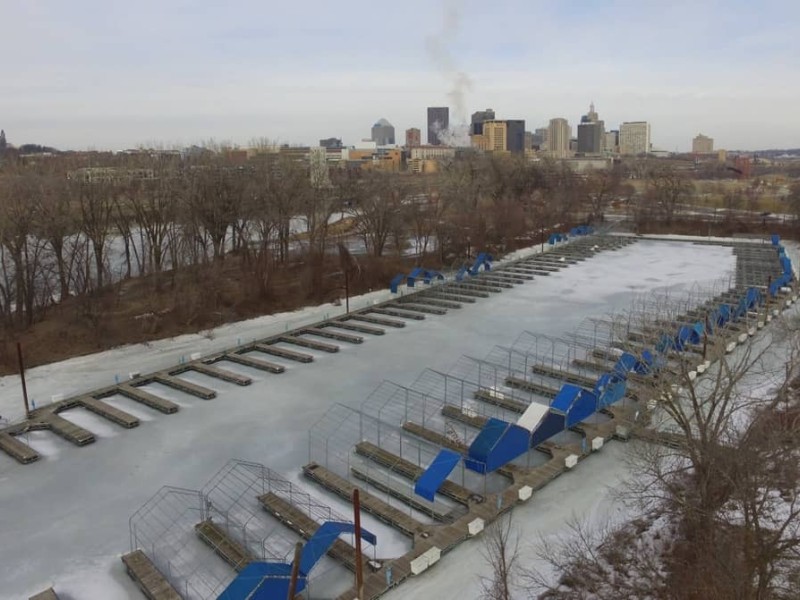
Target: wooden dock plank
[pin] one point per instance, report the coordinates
(48, 594)
(420, 505)
(17, 450)
(533, 387)
(500, 400)
(67, 430)
(417, 308)
(139, 395)
(426, 299)
(228, 549)
(299, 522)
(112, 413)
(391, 312)
(413, 472)
(377, 320)
(325, 332)
(342, 324)
(147, 576)
(220, 373)
(404, 523)
(284, 353)
(305, 342)
(184, 386)
(254, 363)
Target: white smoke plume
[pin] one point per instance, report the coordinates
(439, 47)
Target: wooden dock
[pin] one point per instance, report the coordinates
(19, 451)
(255, 363)
(500, 400)
(405, 524)
(377, 320)
(300, 357)
(332, 334)
(219, 373)
(303, 525)
(566, 376)
(395, 491)
(412, 472)
(533, 387)
(418, 308)
(187, 387)
(305, 342)
(428, 300)
(112, 413)
(48, 594)
(139, 395)
(342, 324)
(147, 576)
(65, 429)
(393, 312)
(231, 551)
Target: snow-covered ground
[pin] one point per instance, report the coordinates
(64, 520)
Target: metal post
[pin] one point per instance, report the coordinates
(347, 291)
(359, 563)
(298, 549)
(22, 379)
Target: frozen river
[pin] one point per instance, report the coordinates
(64, 520)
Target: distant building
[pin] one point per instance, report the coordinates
(558, 136)
(540, 138)
(528, 140)
(413, 137)
(495, 136)
(478, 119)
(515, 136)
(634, 138)
(702, 144)
(331, 143)
(383, 133)
(438, 121)
(612, 141)
(591, 132)
(3, 142)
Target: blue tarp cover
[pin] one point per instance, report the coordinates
(497, 444)
(436, 474)
(396, 281)
(323, 538)
(553, 424)
(262, 581)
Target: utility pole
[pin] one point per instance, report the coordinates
(22, 379)
(359, 560)
(298, 549)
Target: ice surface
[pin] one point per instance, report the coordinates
(67, 515)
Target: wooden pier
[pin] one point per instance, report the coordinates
(395, 491)
(418, 308)
(113, 414)
(48, 594)
(301, 357)
(231, 551)
(405, 524)
(303, 525)
(412, 472)
(187, 387)
(309, 343)
(331, 334)
(393, 312)
(218, 373)
(254, 363)
(149, 579)
(367, 318)
(349, 325)
(139, 395)
(500, 400)
(17, 450)
(63, 428)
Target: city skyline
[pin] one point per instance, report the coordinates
(120, 76)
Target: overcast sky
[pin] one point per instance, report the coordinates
(113, 74)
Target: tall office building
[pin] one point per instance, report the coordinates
(438, 121)
(634, 138)
(515, 136)
(413, 137)
(591, 131)
(495, 136)
(540, 138)
(702, 144)
(478, 119)
(558, 136)
(383, 133)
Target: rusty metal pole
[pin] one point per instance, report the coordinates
(359, 562)
(22, 378)
(298, 549)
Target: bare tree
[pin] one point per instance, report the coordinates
(501, 552)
